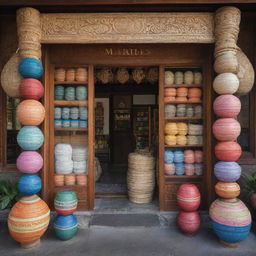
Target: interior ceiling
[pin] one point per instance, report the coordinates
(54, 6)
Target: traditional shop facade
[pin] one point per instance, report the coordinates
(124, 58)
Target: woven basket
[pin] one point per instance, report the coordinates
(152, 75)
(245, 73)
(141, 177)
(10, 77)
(138, 75)
(122, 75)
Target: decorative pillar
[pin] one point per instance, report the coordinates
(231, 220)
(29, 217)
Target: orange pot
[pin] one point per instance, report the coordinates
(227, 190)
(81, 179)
(70, 179)
(182, 92)
(194, 93)
(169, 92)
(59, 179)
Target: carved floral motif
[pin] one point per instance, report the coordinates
(127, 27)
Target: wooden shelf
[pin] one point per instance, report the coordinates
(182, 102)
(69, 129)
(183, 176)
(184, 146)
(176, 118)
(71, 186)
(70, 83)
(71, 103)
(183, 85)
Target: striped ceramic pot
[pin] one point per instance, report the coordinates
(65, 227)
(231, 220)
(65, 202)
(28, 220)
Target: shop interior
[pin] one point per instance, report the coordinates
(126, 120)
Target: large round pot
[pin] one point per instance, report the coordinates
(65, 202)
(228, 151)
(226, 129)
(31, 88)
(28, 220)
(65, 227)
(231, 220)
(30, 138)
(31, 68)
(30, 112)
(188, 222)
(29, 162)
(188, 197)
(29, 184)
(227, 171)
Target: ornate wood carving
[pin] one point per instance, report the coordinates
(127, 28)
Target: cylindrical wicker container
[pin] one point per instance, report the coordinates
(28, 220)
(70, 74)
(59, 74)
(188, 222)
(65, 202)
(141, 177)
(227, 190)
(30, 112)
(81, 75)
(188, 197)
(231, 220)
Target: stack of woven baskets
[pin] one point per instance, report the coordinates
(141, 177)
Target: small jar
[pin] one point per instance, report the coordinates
(83, 113)
(188, 77)
(190, 111)
(81, 179)
(59, 92)
(83, 123)
(198, 78)
(182, 92)
(69, 93)
(74, 123)
(57, 123)
(59, 74)
(199, 169)
(169, 169)
(178, 77)
(81, 75)
(59, 179)
(179, 169)
(189, 169)
(57, 113)
(70, 179)
(65, 113)
(65, 123)
(168, 77)
(81, 93)
(170, 110)
(74, 113)
(70, 74)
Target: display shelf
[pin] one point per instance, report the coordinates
(182, 102)
(183, 177)
(72, 129)
(71, 186)
(176, 118)
(183, 85)
(70, 103)
(184, 146)
(70, 83)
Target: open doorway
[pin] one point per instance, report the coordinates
(126, 114)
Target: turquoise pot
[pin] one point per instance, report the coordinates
(65, 202)
(65, 227)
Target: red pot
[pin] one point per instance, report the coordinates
(31, 88)
(228, 151)
(188, 197)
(188, 222)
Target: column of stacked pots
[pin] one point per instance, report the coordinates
(231, 220)
(30, 113)
(188, 199)
(65, 224)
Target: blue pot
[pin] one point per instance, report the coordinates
(30, 138)
(31, 68)
(65, 227)
(231, 234)
(168, 156)
(178, 156)
(29, 184)
(179, 169)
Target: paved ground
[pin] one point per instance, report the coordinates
(130, 241)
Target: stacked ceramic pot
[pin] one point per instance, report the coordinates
(231, 219)
(65, 223)
(30, 113)
(188, 199)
